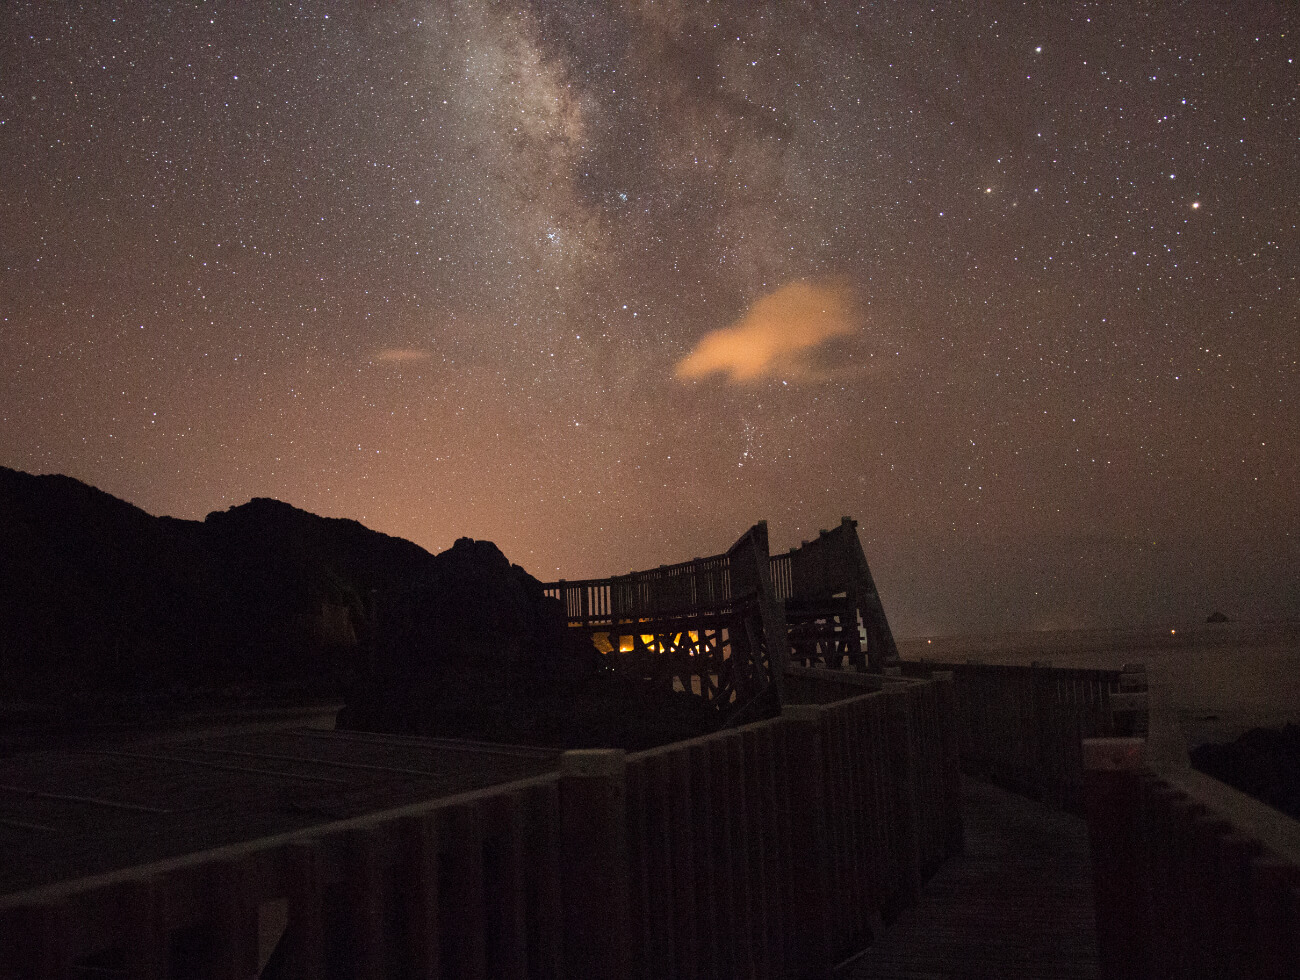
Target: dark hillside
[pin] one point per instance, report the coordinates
(93, 591)
(99, 598)
(112, 617)
(475, 648)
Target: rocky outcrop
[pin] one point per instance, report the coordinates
(475, 648)
(1264, 762)
(98, 596)
(105, 608)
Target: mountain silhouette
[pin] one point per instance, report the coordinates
(109, 615)
(99, 597)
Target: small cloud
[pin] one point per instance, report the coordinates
(401, 354)
(776, 337)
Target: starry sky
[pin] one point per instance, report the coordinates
(1013, 284)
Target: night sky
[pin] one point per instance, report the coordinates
(1013, 284)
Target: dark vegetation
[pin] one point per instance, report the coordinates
(1264, 762)
(111, 616)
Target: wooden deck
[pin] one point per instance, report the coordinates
(67, 815)
(1017, 904)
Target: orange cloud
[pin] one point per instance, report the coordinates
(776, 335)
(400, 354)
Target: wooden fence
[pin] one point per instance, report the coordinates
(1023, 727)
(710, 626)
(1191, 877)
(763, 851)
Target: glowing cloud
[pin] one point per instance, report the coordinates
(401, 354)
(776, 335)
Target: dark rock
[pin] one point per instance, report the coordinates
(97, 596)
(1264, 762)
(111, 615)
(476, 649)
(1217, 617)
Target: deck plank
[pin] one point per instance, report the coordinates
(1018, 903)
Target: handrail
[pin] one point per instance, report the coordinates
(772, 849)
(1022, 726)
(1191, 876)
(699, 586)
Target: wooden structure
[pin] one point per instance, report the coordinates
(1023, 727)
(1192, 877)
(725, 627)
(1017, 902)
(832, 609)
(771, 849)
(710, 626)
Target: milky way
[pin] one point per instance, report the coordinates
(1012, 284)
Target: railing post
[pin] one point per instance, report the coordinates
(946, 685)
(902, 754)
(1117, 832)
(37, 942)
(593, 863)
(306, 927)
(808, 949)
(146, 930)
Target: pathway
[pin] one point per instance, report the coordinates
(1017, 904)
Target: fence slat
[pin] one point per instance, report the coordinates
(146, 930)
(422, 897)
(504, 891)
(808, 953)
(305, 933)
(706, 878)
(593, 822)
(365, 903)
(545, 900)
(462, 921)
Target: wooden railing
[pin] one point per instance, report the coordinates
(1024, 727)
(782, 576)
(1192, 878)
(768, 850)
(709, 626)
(702, 585)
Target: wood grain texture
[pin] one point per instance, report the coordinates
(1018, 903)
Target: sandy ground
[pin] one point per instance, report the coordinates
(1221, 680)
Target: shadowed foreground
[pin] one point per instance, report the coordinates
(1017, 904)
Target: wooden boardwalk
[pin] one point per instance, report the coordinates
(1018, 904)
(67, 815)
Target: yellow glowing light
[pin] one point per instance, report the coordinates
(1195, 205)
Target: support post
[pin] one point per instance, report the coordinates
(808, 949)
(902, 754)
(946, 686)
(1116, 831)
(594, 874)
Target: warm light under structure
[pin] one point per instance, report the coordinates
(726, 626)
